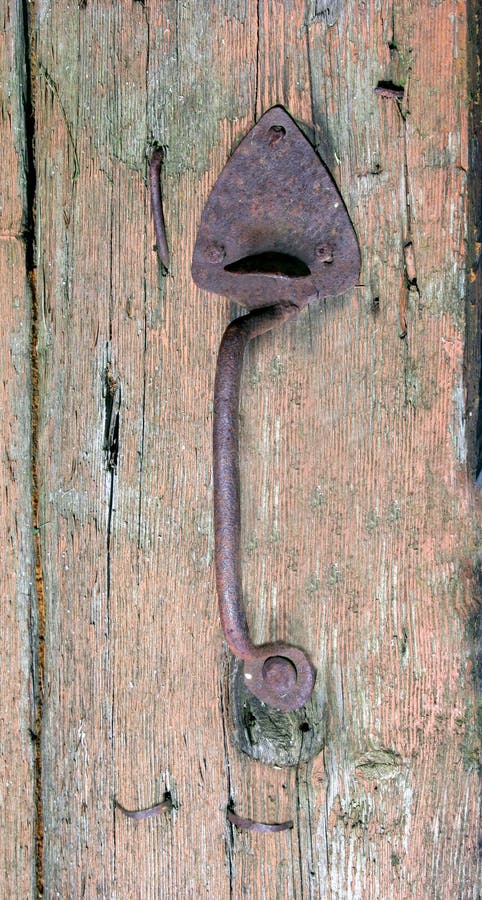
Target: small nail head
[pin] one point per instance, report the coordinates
(275, 134)
(324, 254)
(215, 253)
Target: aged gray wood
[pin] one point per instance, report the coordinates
(358, 518)
(18, 660)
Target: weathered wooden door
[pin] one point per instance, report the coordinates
(358, 454)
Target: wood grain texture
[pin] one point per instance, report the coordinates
(358, 519)
(17, 569)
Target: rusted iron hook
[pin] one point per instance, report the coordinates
(274, 235)
(279, 674)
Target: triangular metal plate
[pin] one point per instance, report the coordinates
(275, 228)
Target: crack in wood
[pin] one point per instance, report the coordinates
(112, 397)
(27, 63)
(229, 841)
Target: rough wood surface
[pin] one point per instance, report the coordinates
(17, 587)
(358, 520)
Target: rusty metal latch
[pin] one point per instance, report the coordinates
(274, 235)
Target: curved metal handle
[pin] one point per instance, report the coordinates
(278, 673)
(274, 231)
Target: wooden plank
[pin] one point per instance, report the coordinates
(75, 300)
(357, 517)
(367, 461)
(17, 570)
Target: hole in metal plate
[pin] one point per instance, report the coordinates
(270, 263)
